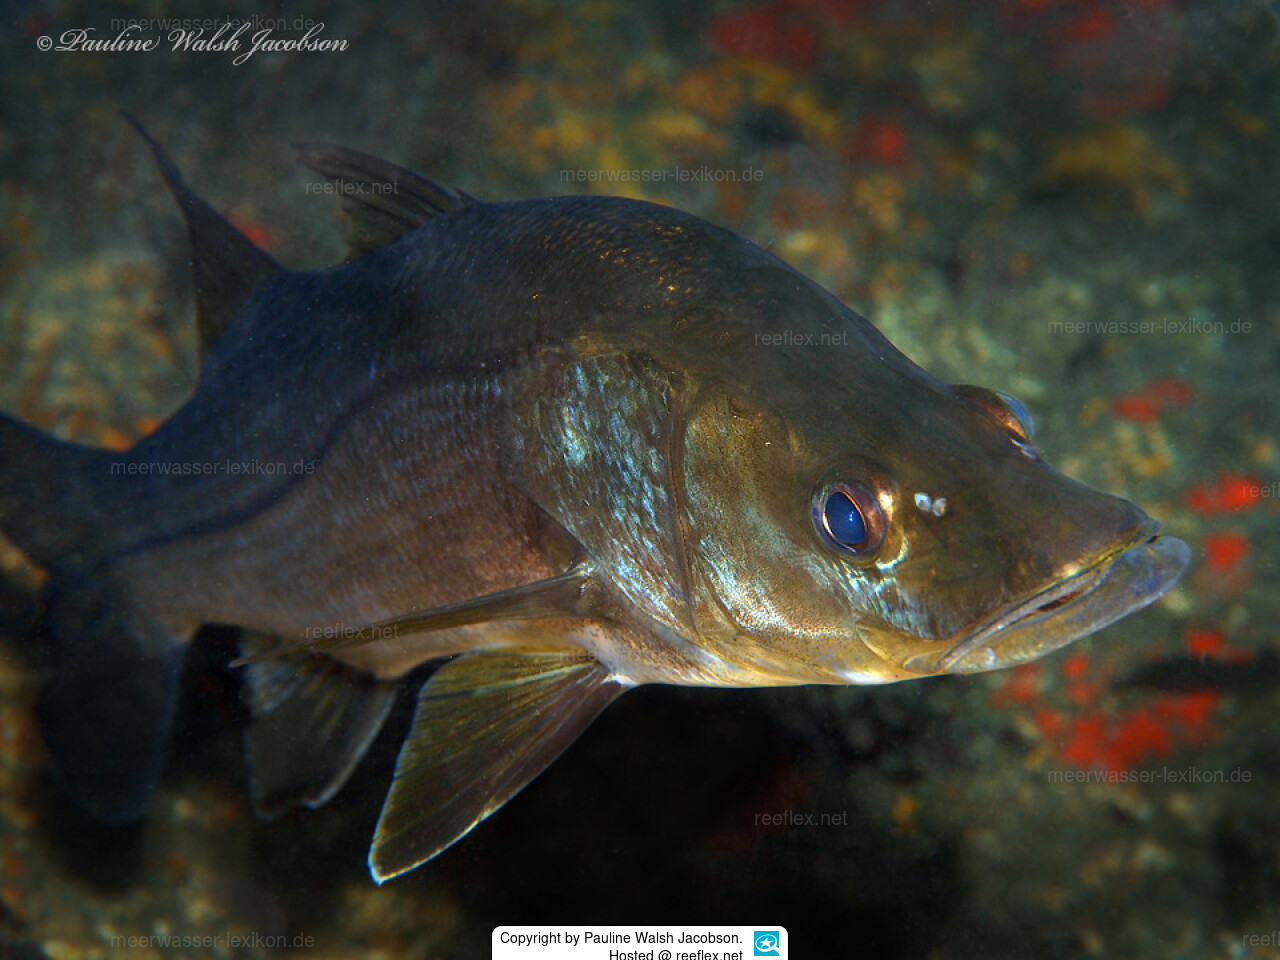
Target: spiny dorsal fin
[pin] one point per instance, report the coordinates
(226, 264)
(565, 595)
(381, 201)
(313, 719)
(487, 723)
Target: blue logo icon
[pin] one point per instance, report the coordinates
(767, 943)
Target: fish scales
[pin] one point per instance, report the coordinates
(562, 448)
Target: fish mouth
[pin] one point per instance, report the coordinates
(1066, 610)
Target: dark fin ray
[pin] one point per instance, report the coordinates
(487, 724)
(227, 265)
(107, 712)
(561, 596)
(313, 719)
(381, 201)
(47, 493)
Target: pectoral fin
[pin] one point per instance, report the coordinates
(487, 724)
(561, 596)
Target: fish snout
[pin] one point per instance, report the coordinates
(1088, 574)
(1071, 608)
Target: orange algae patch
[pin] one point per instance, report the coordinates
(1205, 641)
(1075, 666)
(1100, 740)
(147, 426)
(882, 141)
(1227, 493)
(1021, 685)
(113, 438)
(1138, 737)
(1086, 27)
(779, 32)
(1135, 407)
(1083, 746)
(1225, 550)
(1083, 692)
(1050, 723)
(256, 232)
(1075, 669)
(1190, 710)
(1154, 731)
(1158, 395)
(1168, 393)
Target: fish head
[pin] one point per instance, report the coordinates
(874, 524)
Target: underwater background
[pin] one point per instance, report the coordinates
(1074, 201)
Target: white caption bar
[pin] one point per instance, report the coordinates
(640, 943)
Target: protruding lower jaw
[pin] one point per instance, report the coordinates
(1067, 611)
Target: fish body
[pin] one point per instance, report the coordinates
(574, 444)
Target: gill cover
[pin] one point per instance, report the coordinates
(778, 599)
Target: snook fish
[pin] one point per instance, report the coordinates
(566, 446)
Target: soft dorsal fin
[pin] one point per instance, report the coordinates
(226, 264)
(382, 202)
(487, 723)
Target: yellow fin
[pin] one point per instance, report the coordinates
(487, 724)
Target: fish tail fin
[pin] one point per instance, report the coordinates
(48, 502)
(107, 710)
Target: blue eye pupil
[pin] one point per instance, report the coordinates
(844, 520)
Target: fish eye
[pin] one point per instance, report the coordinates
(1021, 417)
(1008, 411)
(848, 519)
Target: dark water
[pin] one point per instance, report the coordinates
(1075, 201)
